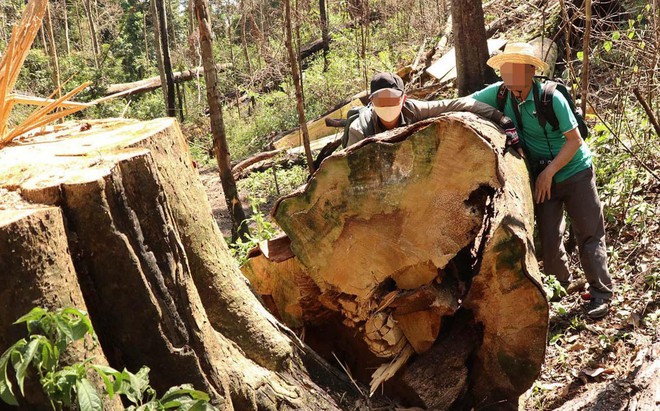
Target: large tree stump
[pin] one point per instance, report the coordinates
(35, 238)
(407, 236)
(114, 211)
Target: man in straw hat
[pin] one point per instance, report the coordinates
(389, 108)
(563, 173)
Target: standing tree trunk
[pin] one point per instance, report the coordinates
(66, 27)
(585, 56)
(246, 52)
(42, 33)
(144, 33)
(163, 53)
(116, 221)
(297, 84)
(220, 146)
(4, 30)
(79, 24)
(471, 46)
(92, 32)
(180, 100)
(52, 51)
(325, 36)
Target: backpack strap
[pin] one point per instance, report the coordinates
(353, 114)
(502, 95)
(540, 112)
(546, 107)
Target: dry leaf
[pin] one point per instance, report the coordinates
(551, 386)
(633, 320)
(577, 347)
(594, 372)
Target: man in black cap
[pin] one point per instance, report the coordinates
(389, 108)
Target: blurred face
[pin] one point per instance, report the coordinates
(387, 104)
(517, 77)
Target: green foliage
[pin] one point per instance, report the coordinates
(260, 229)
(272, 112)
(262, 185)
(552, 286)
(263, 192)
(68, 386)
(35, 77)
(130, 47)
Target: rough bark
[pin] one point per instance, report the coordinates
(399, 240)
(34, 239)
(118, 212)
(471, 48)
(220, 146)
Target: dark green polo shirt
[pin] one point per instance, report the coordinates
(536, 144)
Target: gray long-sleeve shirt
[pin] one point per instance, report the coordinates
(413, 111)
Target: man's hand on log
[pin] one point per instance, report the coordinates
(543, 185)
(512, 139)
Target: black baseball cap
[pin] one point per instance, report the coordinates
(386, 80)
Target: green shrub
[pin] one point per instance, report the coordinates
(49, 334)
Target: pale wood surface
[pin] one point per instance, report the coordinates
(385, 229)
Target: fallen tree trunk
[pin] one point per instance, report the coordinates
(116, 213)
(405, 239)
(153, 83)
(315, 46)
(285, 160)
(319, 128)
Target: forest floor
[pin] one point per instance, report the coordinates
(589, 365)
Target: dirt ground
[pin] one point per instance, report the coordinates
(604, 365)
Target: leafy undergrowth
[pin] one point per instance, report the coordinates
(583, 354)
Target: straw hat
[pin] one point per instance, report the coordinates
(520, 53)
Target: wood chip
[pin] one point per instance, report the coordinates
(387, 370)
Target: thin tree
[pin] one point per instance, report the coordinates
(245, 11)
(220, 146)
(323, 14)
(92, 32)
(300, 104)
(144, 33)
(163, 53)
(471, 46)
(81, 42)
(52, 50)
(585, 55)
(66, 27)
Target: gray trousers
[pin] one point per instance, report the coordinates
(579, 196)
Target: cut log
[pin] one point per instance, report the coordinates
(445, 68)
(317, 128)
(153, 83)
(414, 229)
(118, 211)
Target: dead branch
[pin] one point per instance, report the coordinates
(648, 110)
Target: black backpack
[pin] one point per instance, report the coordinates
(352, 115)
(544, 109)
